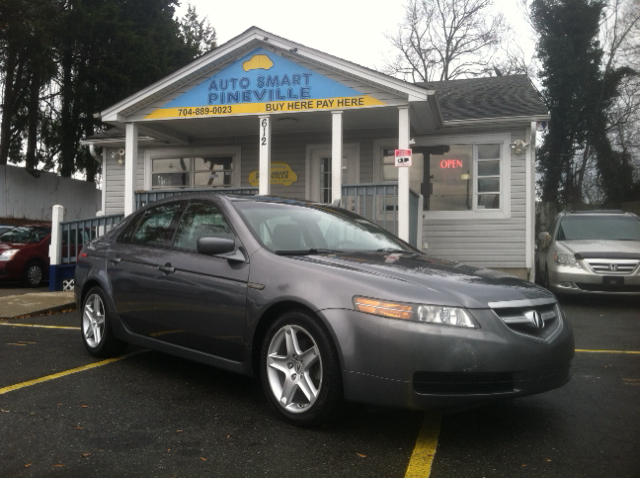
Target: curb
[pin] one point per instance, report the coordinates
(42, 312)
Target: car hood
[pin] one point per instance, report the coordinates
(469, 286)
(594, 248)
(5, 246)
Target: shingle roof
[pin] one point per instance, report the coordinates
(490, 97)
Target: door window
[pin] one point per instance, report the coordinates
(201, 219)
(154, 228)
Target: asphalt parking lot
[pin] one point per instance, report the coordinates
(149, 414)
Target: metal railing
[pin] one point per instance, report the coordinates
(143, 198)
(75, 234)
(378, 202)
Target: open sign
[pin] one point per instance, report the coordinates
(403, 158)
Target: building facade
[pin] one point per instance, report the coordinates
(317, 127)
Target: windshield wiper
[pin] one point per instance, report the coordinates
(302, 252)
(393, 250)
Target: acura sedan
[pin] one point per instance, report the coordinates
(318, 303)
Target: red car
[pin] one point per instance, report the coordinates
(24, 254)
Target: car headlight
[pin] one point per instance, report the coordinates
(565, 258)
(7, 254)
(420, 313)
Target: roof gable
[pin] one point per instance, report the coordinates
(228, 54)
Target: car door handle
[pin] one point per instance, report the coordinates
(167, 268)
(115, 260)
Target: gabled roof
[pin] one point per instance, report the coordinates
(253, 38)
(488, 98)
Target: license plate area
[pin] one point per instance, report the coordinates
(613, 280)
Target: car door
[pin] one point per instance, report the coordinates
(132, 264)
(201, 300)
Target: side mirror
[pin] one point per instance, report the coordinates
(211, 245)
(545, 239)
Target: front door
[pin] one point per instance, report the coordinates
(200, 300)
(320, 189)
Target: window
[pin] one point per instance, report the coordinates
(454, 176)
(154, 229)
(201, 219)
(196, 172)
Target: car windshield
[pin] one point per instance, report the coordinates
(25, 234)
(292, 228)
(611, 227)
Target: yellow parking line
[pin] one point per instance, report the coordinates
(66, 373)
(45, 326)
(425, 450)
(611, 351)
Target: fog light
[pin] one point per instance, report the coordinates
(566, 284)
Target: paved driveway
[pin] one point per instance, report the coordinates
(150, 414)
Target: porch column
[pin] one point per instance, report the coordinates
(336, 156)
(264, 185)
(403, 174)
(130, 167)
(530, 188)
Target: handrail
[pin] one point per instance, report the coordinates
(77, 233)
(143, 198)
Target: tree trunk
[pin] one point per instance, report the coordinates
(33, 113)
(68, 130)
(7, 105)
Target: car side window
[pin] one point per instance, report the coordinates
(199, 220)
(154, 229)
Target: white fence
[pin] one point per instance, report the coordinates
(26, 197)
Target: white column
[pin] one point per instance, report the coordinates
(264, 187)
(130, 167)
(403, 174)
(336, 156)
(530, 189)
(55, 248)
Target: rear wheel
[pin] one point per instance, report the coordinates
(33, 274)
(97, 334)
(300, 370)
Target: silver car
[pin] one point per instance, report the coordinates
(590, 252)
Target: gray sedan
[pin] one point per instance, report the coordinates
(320, 304)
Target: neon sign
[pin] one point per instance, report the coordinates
(450, 164)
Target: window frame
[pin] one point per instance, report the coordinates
(503, 139)
(170, 153)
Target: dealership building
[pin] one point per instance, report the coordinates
(264, 115)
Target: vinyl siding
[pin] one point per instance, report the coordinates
(497, 243)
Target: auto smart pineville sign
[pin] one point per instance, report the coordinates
(263, 82)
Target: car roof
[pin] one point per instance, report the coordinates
(233, 198)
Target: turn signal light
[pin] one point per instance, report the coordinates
(383, 308)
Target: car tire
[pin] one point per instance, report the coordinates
(96, 322)
(308, 394)
(33, 274)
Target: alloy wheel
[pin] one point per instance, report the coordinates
(93, 320)
(294, 368)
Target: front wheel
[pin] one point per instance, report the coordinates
(300, 370)
(33, 275)
(97, 334)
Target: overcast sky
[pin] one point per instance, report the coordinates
(349, 29)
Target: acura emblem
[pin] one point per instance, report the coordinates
(535, 319)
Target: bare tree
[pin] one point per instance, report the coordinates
(446, 39)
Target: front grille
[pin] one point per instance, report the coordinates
(462, 383)
(610, 288)
(519, 316)
(612, 266)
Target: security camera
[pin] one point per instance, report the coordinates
(121, 151)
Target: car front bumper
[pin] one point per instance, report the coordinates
(572, 280)
(418, 366)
